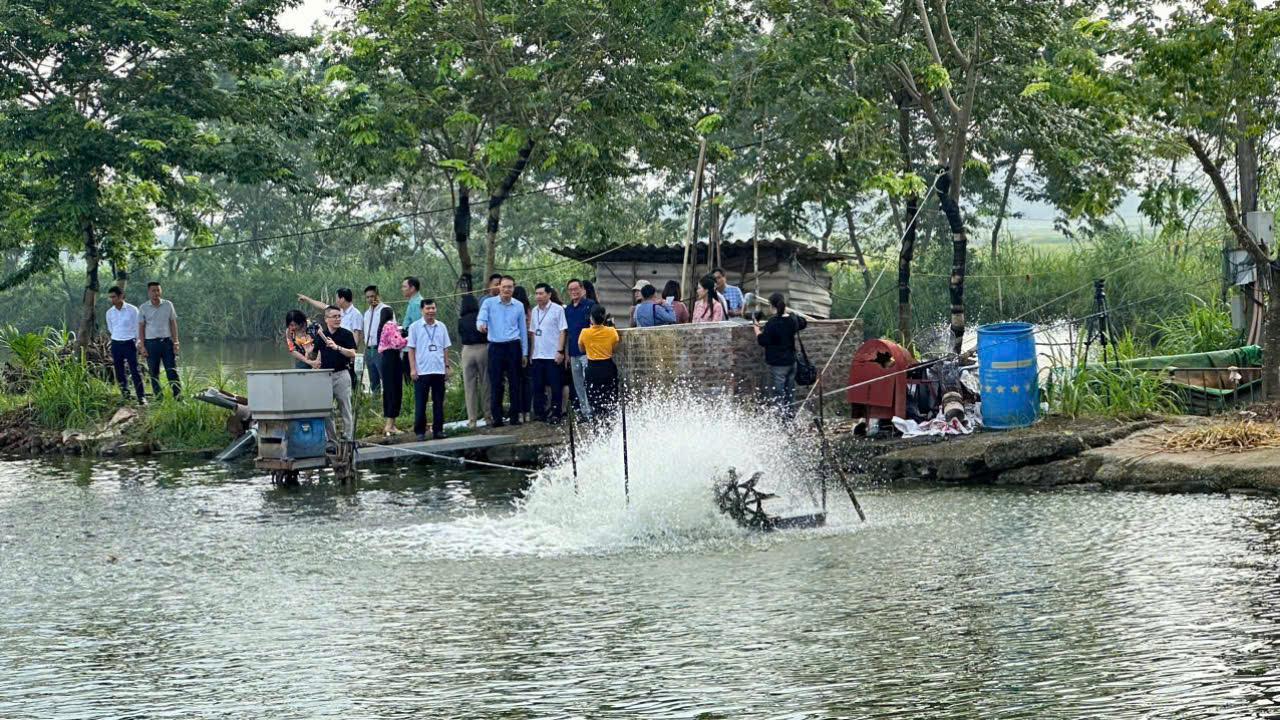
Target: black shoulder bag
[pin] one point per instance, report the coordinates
(806, 373)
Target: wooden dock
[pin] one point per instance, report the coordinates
(411, 450)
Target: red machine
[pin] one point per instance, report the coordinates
(871, 397)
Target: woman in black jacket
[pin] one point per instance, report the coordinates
(778, 338)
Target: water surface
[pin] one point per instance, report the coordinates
(145, 589)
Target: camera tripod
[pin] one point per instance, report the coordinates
(1098, 325)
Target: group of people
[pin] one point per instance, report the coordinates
(527, 351)
(150, 331)
(715, 300)
(538, 354)
(532, 352)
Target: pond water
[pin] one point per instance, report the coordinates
(151, 589)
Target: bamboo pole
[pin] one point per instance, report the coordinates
(693, 220)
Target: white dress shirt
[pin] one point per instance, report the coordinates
(428, 343)
(351, 319)
(546, 326)
(123, 323)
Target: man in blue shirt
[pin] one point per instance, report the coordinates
(651, 312)
(577, 315)
(732, 295)
(503, 318)
(411, 289)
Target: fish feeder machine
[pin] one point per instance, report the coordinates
(293, 410)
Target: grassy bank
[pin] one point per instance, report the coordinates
(1148, 279)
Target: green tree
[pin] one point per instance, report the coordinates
(107, 111)
(1202, 83)
(485, 93)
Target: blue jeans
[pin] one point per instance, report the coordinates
(373, 363)
(578, 367)
(160, 350)
(782, 388)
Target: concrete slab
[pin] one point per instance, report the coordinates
(1140, 461)
(399, 451)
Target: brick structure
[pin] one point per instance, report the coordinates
(723, 358)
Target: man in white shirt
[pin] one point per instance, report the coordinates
(369, 323)
(122, 323)
(548, 328)
(429, 368)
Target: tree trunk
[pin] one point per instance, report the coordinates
(907, 253)
(1004, 201)
(857, 248)
(461, 234)
(120, 275)
(88, 303)
(1261, 260)
(496, 199)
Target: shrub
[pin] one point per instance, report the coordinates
(1204, 327)
(1111, 392)
(66, 394)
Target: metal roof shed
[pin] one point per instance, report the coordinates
(795, 269)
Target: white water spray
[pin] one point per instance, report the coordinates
(679, 446)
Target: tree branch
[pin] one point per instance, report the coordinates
(1246, 240)
(944, 26)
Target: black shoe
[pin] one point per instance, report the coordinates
(497, 425)
(515, 423)
(437, 436)
(421, 436)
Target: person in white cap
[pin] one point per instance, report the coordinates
(637, 298)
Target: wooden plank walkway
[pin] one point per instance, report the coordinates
(381, 453)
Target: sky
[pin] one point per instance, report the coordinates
(301, 17)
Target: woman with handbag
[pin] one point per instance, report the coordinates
(390, 343)
(778, 338)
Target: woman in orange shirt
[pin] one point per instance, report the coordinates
(599, 342)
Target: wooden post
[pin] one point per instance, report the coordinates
(693, 222)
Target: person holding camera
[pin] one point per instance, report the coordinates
(335, 352)
(778, 338)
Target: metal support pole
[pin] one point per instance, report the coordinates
(626, 467)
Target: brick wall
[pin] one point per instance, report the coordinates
(720, 358)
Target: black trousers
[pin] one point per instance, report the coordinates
(546, 376)
(160, 350)
(504, 366)
(392, 392)
(433, 384)
(602, 388)
(126, 352)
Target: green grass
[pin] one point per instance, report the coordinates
(66, 394)
(1113, 393)
(187, 423)
(1203, 327)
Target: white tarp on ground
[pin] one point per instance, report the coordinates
(940, 425)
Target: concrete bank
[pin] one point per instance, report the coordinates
(1059, 452)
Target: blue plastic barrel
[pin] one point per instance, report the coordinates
(306, 438)
(1007, 371)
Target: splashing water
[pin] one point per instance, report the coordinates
(679, 446)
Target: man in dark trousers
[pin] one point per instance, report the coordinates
(158, 339)
(429, 368)
(122, 323)
(502, 317)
